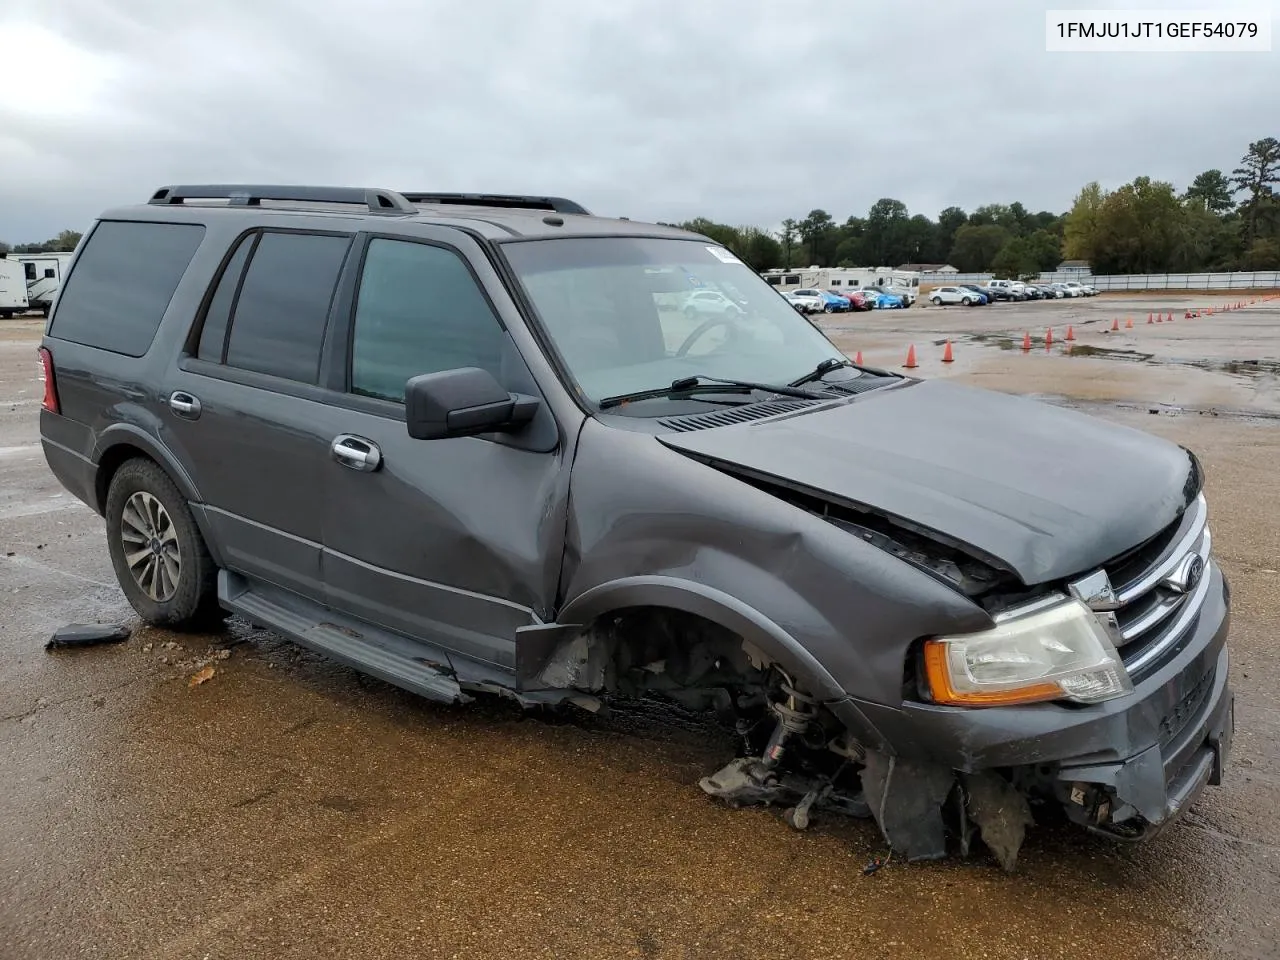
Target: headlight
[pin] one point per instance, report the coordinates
(1057, 650)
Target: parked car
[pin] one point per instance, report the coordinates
(710, 303)
(1077, 289)
(1007, 289)
(1089, 290)
(949, 295)
(812, 300)
(1068, 290)
(856, 298)
(984, 292)
(452, 445)
(833, 303)
(1032, 291)
(798, 302)
(881, 299)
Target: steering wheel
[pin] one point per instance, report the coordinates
(702, 328)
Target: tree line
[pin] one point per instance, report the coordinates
(1220, 222)
(64, 242)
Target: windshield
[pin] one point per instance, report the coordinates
(630, 314)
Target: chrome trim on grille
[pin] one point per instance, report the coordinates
(1190, 610)
(1166, 605)
(1134, 589)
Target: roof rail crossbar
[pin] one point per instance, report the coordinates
(558, 204)
(252, 195)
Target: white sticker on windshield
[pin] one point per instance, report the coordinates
(723, 255)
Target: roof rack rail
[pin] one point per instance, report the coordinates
(252, 195)
(558, 204)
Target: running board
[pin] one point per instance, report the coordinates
(416, 667)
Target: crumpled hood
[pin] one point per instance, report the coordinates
(1047, 491)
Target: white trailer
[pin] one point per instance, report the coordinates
(902, 282)
(13, 289)
(44, 273)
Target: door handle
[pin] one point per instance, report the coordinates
(184, 404)
(356, 453)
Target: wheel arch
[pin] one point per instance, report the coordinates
(123, 442)
(710, 604)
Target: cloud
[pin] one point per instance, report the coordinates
(744, 111)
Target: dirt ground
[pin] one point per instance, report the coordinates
(289, 807)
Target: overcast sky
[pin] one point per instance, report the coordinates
(739, 110)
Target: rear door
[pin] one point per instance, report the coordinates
(455, 541)
(244, 411)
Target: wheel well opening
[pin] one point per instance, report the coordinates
(639, 650)
(112, 460)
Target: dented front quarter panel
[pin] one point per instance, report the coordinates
(684, 528)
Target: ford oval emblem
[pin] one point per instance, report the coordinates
(1186, 574)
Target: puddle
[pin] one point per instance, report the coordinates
(1246, 368)
(1108, 353)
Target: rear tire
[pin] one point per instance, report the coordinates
(158, 553)
(937, 301)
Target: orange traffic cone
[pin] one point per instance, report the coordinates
(946, 354)
(1048, 337)
(1070, 333)
(1026, 342)
(1187, 315)
(1128, 323)
(857, 358)
(1115, 324)
(911, 358)
(1171, 316)
(1149, 320)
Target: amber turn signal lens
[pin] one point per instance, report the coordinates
(938, 673)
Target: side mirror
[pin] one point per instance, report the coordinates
(462, 403)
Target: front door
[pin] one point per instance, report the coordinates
(455, 541)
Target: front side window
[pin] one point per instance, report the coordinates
(419, 310)
(618, 311)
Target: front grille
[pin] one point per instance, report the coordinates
(1160, 587)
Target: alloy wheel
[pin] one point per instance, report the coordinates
(150, 544)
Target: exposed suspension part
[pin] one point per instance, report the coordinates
(776, 775)
(794, 711)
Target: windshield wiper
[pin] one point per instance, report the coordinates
(821, 370)
(702, 384)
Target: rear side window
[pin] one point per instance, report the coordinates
(122, 284)
(279, 314)
(419, 311)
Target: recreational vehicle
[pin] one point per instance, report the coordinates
(13, 289)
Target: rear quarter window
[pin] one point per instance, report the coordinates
(122, 283)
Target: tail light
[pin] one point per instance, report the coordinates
(50, 386)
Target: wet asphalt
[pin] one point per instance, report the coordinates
(289, 807)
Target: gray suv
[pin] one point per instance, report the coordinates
(474, 444)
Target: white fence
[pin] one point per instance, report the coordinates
(951, 279)
(1244, 280)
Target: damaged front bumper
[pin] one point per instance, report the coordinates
(1125, 768)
